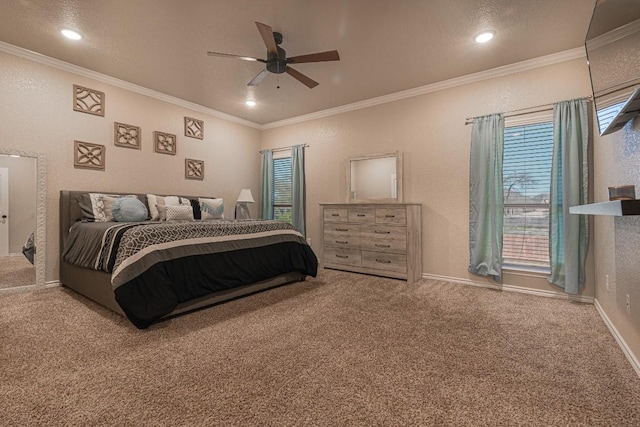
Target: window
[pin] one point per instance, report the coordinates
(526, 174)
(282, 189)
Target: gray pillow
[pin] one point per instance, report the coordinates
(129, 209)
(84, 202)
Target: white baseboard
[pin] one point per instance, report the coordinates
(621, 342)
(52, 284)
(511, 288)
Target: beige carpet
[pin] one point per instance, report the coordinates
(16, 271)
(343, 349)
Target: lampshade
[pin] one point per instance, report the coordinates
(245, 196)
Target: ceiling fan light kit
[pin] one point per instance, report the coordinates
(277, 61)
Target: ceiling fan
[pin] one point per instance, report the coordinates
(277, 61)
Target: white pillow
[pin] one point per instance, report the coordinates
(179, 213)
(211, 208)
(153, 200)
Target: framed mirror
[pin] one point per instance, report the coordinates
(375, 178)
(22, 220)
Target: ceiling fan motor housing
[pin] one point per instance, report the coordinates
(278, 64)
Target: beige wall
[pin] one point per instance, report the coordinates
(430, 131)
(617, 249)
(22, 199)
(37, 115)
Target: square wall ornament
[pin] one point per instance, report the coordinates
(164, 143)
(193, 128)
(88, 156)
(126, 135)
(88, 101)
(194, 169)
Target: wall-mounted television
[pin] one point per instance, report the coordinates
(613, 53)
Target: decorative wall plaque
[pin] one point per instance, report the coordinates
(193, 128)
(88, 156)
(194, 169)
(164, 143)
(126, 135)
(88, 101)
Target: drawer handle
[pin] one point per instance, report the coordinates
(382, 232)
(382, 246)
(342, 256)
(342, 229)
(342, 242)
(335, 214)
(360, 214)
(390, 216)
(383, 261)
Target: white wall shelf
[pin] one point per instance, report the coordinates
(613, 208)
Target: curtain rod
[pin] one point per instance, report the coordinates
(275, 150)
(536, 109)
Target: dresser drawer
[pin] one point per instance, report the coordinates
(385, 261)
(391, 216)
(362, 215)
(341, 256)
(379, 245)
(383, 233)
(350, 242)
(341, 230)
(335, 215)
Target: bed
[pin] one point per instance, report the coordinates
(150, 270)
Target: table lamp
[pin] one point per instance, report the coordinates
(242, 210)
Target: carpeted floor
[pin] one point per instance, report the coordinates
(342, 349)
(16, 271)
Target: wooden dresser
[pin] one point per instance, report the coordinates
(380, 239)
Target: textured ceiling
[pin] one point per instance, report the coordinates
(385, 46)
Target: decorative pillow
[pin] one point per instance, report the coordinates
(179, 213)
(129, 209)
(154, 200)
(212, 208)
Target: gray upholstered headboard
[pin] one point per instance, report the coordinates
(70, 211)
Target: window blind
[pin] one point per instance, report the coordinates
(528, 151)
(282, 189)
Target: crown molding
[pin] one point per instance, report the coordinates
(517, 67)
(94, 75)
(614, 35)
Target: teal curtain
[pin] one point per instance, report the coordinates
(568, 234)
(297, 188)
(266, 194)
(486, 196)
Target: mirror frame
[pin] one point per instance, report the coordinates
(623, 93)
(41, 218)
(398, 198)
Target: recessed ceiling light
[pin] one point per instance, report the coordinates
(70, 34)
(251, 103)
(484, 36)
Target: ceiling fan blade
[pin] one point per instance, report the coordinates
(302, 78)
(228, 55)
(259, 78)
(267, 35)
(331, 55)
